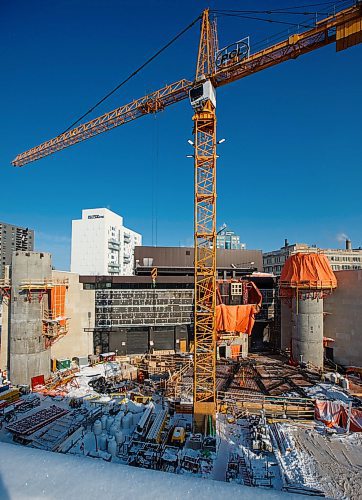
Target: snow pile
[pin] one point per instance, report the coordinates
(29, 473)
(327, 391)
(297, 466)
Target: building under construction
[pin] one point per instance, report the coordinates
(200, 364)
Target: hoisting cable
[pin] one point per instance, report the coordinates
(134, 73)
(282, 10)
(265, 20)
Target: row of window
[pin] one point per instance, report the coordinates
(344, 267)
(345, 259)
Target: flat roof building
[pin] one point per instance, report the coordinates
(13, 238)
(102, 245)
(340, 259)
(228, 240)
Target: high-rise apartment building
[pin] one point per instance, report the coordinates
(13, 238)
(101, 245)
(340, 259)
(228, 240)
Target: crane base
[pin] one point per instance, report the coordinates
(202, 412)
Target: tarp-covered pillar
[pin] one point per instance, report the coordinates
(304, 282)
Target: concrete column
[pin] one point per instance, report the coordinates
(307, 330)
(28, 355)
(285, 324)
(244, 351)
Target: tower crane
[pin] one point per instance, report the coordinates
(214, 69)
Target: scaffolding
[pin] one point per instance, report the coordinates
(51, 295)
(5, 291)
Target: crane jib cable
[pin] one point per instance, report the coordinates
(134, 73)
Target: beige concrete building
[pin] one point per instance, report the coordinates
(340, 259)
(343, 318)
(80, 309)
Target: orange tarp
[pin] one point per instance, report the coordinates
(57, 303)
(356, 419)
(328, 412)
(235, 350)
(307, 270)
(335, 414)
(236, 318)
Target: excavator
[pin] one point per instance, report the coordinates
(215, 68)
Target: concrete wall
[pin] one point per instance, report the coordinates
(343, 319)
(28, 354)
(286, 325)
(80, 309)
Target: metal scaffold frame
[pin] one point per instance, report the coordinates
(5, 290)
(55, 323)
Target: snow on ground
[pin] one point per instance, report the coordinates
(235, 438)
(332, 464)
(80, 387)
(35, 474)
(297, 466)
(328, 391)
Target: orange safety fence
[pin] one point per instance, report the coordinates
(239, 319)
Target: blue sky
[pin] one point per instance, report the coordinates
(290, 167)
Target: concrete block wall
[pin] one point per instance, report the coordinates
(80, 311)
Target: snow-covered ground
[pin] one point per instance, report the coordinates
(35, 474)
(328, 391)
(307, 459)
(234, 438)
(328, 463)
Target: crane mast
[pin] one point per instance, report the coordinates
(204, 102)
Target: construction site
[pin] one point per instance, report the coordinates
(200, 364)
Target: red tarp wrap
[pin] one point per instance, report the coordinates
(239, 319)
(328, 412)
(356, 419)
(335, 414)
(307, 270)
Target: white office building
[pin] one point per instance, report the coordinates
(101, 245)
